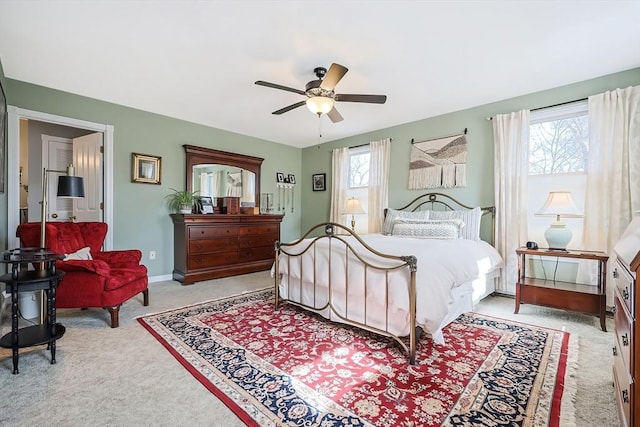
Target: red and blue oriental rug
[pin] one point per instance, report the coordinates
(294, 368)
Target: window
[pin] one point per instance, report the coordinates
(558, 155)
(359, 167)
(359, 158)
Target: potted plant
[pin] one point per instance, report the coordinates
(181, 201)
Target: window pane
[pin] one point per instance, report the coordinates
(359, 170)
(559, 146)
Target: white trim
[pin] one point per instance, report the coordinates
(13, 168)
(163, 278)
(578, 108)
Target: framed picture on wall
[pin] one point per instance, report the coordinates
(319, 181)
(146, 169)
(292, 178)
(279, 177)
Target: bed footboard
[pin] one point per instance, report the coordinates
(336, 274)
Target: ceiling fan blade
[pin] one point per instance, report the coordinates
(372, 99)
(334, 75)
(290, 107)
(334, 115)
(275, 86)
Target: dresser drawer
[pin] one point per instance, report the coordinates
(260, 229)
(222, 244)
(212, 232)
(624, 283)
(256, 254)
(212, 260)
(257, 241)
(624, 329)
(624, 390)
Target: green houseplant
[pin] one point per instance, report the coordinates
(181, 201)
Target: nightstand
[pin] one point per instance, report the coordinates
(563, 295)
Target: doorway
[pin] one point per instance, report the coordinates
(34, 123)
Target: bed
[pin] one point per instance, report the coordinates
(427, 267)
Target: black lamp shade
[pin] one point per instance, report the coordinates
(70, 186)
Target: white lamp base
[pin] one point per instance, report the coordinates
(558, 236)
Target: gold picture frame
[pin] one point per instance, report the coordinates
(146, 168)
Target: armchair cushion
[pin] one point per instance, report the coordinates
(120, 259)
(96, 266)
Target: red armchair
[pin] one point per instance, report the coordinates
(107, 280)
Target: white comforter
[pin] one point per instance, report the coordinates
(442, 266)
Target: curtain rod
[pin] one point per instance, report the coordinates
(364, 145)
(440, 137)
(554, 105)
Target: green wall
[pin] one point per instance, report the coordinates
(479, 189)
(141, 218)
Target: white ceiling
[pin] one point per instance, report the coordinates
(198, 60)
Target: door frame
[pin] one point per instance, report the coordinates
(13, 166)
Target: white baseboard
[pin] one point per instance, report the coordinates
(162, 278)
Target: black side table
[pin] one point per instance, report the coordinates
(46, 278)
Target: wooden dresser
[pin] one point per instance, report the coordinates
(212, 246)
(626, 350)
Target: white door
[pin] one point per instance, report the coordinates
(87, 161)
(57, 154)
(85, 155)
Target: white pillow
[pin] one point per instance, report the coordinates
(80, 254)
(392, 214)
(429, 229)
(471, 219)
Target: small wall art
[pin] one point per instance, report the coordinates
(319, 181)
(145, 168)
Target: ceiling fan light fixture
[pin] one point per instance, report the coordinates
(319, 104)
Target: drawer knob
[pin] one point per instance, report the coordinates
(615, 273)
(615, 351)
(625, 396)
(625, 339)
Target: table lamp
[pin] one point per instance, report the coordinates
(559, 203)
(69, 186)
(353, 207)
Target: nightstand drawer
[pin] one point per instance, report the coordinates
(624, 283)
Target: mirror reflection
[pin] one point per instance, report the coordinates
(218, 180)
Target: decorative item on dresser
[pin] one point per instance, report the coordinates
(626, 351)
(212, 246)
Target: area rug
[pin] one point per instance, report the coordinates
(291, 367)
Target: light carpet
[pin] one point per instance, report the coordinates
(125, 377)
(292, 367)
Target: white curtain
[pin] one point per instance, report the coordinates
(511, 140)
(248, 187)
(613, 174)
(378, 183)
(339, 184)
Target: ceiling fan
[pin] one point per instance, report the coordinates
(320, 93)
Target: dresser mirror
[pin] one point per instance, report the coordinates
(218, 173)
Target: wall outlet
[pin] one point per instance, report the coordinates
(152, 254)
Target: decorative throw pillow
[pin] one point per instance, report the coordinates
(471, 219)
(429, 229)
(80, 254)
(392, 214)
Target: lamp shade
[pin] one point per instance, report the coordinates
(560, 203)
(70, 186)
(353, 207)
(319, 104)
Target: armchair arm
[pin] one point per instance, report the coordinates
(120, 259)
(96, 266)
